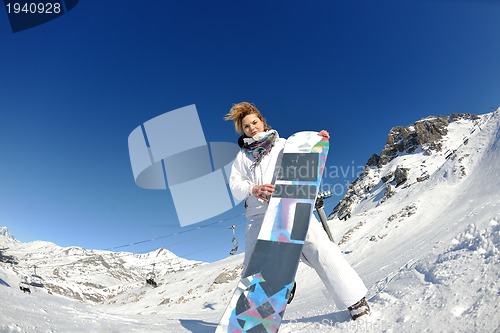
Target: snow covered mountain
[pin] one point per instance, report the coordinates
(7, 237)
(411, 155)
(421, 225)
(81, 274)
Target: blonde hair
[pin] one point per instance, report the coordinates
(241, 110)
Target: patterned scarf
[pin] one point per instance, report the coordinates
(260, 145)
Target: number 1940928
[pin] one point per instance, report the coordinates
(33, 8)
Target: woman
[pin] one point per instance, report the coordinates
(251, 180)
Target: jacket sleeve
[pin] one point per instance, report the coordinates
(240, 184)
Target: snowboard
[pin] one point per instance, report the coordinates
(259, 301)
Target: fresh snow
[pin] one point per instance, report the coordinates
(429, 255)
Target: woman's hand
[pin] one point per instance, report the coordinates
(324, 134)
(263, 192)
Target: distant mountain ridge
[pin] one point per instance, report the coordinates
(82, 274)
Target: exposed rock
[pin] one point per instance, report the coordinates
(387, 177)
(78, 295)
(403, 213)
(400, 175)
(425, 132)
(465, 116)
(228, 276)
(342, 210)
(350, 232)
(357, 189)
(373, 160)
(423, 136)
(345, 214)
(9, 259)
(166, 301)
(389, 192)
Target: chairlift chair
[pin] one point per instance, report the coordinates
(234, 241)
(150, 278)
(24, 285)
(36, 280)
(449, 154)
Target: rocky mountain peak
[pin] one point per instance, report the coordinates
(4, 232)
(424, 136)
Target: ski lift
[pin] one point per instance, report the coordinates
(36, 280)
(24, 285)
(466, 140)
(450, 153)
(150, 278)
(424, 176)
(234, 240)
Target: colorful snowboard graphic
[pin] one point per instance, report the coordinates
(259, 301)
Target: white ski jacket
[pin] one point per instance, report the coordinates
(242, 179)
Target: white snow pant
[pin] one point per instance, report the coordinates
(340, 279)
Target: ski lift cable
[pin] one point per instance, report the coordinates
(203, 250)
(192, 239)
(183, 255)
(234, 249)
(173, 234)
(79, 263)
(170, 245)
(87, 256)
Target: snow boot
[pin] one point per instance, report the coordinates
(359, 309)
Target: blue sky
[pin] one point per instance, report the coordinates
(73, 89)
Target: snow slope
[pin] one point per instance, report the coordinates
(81, 274)
(429, 255)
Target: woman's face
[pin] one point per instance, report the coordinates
(252, 125)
